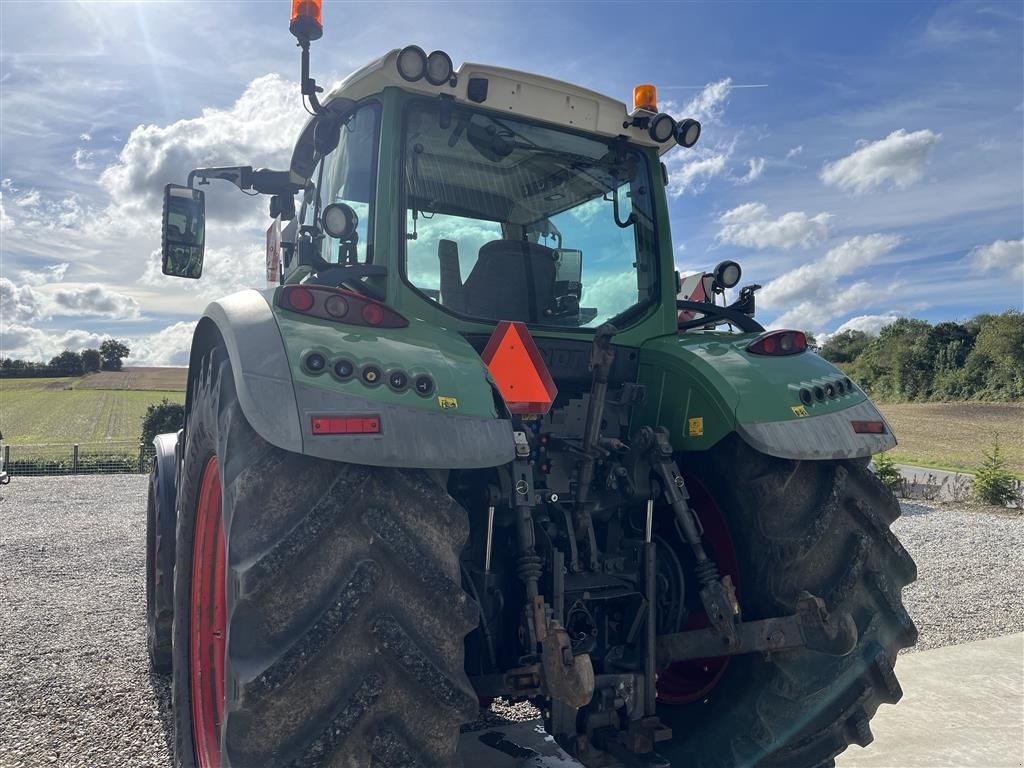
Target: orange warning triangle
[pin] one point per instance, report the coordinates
(514, 361)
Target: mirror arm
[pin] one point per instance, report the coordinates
(261, 180)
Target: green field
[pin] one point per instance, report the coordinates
(40, 411)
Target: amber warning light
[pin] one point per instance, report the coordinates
(512, 357)
(645, 97)
(307, 21)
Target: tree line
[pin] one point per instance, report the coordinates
(978, 359)
(109, 357)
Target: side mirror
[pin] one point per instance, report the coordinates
(183, 233)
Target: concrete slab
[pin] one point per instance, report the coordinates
(962, 706)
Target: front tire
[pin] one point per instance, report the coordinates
(799, 525)
(343, 619)
(159, 580)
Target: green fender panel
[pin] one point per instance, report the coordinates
(457, 426)
(703, 385)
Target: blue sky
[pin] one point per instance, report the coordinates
(861, 161)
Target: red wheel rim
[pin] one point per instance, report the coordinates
(688, 681)
(208, 620)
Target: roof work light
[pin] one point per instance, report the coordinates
(307, 21)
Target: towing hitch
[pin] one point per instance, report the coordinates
(811, 627)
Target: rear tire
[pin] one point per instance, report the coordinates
(817, 526)
(345, 619)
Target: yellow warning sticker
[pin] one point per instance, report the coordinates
(799, 410)
(696, 426)
(447, 402)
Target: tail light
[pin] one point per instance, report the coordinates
(779, 343)
(868, 427)
(339, 306)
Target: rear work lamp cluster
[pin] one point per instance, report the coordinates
(830, 390)
(369, 374)
(436, 68)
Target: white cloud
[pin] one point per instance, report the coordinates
(29, 343)
(85, 137)
(259, 128)
(811, 295)
(20, 304)
(869, 324)
(794, 152)
(755, 167)
(167, 346)
(25, 304)
(900, 158)
(750, 226)
(51, 274)
(691, 173)
(225, 270)
(1001, 255)
(94, 299)
(707, 105)
(6, 222)
(83, 159)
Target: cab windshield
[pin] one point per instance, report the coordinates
(508, 220)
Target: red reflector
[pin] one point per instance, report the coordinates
(301, 299)
(868, 427)
(515, 363)
(354, 425)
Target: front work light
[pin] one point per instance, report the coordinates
(439, 68)
(307, 21)
(662, 128)
(412, 63)
(687, 132)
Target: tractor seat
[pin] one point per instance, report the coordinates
(511, 280)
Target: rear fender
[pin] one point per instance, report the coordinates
(702, 386)
(456, 426)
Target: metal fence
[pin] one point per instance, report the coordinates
(78, 458)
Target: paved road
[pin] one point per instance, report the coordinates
(934, 484)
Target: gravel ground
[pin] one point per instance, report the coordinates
(76, 690)
(74, 683)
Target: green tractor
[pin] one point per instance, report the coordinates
(480, 440)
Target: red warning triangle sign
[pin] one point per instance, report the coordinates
(514, 361)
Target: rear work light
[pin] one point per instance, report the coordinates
(339, 306)
(868, 427)
(779, 343)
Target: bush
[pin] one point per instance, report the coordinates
(885, 469)
(162, 417)
(993, 483)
